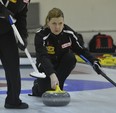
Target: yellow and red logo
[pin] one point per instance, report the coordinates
(50, 50)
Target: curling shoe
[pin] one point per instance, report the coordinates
(20, 106)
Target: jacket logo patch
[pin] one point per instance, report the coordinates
(26, 1)
(13, 1)
(50, 50)
(66, 45)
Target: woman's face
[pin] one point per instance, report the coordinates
(56, 25)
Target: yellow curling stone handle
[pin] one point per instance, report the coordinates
(57, 90)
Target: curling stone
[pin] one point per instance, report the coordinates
(56, 98)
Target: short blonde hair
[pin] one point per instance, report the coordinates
(53, 13)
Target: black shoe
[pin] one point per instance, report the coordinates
(20, 106)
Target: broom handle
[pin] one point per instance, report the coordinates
(105, 76)
(101, 72)
(11, 20)
(26, 51)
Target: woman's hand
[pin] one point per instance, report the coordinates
(54, 80)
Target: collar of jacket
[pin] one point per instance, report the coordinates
(60, 34)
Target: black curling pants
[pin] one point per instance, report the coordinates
(63, 69)
(10, 60)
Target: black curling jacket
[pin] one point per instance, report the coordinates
(50, 48)
(19, 9)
